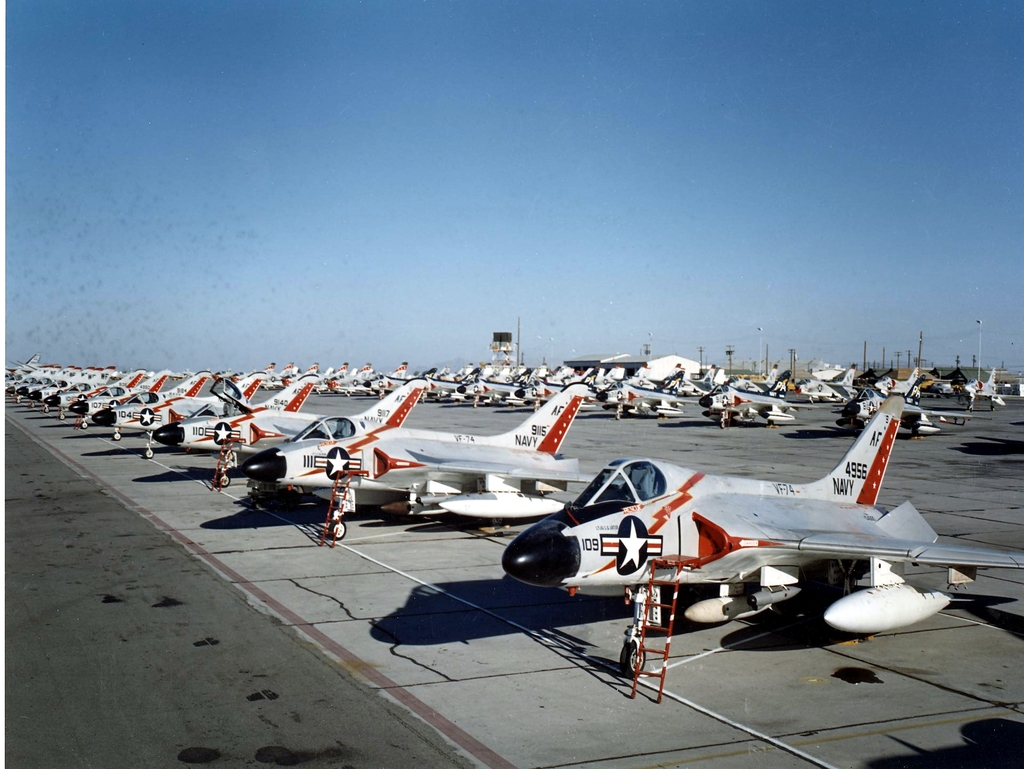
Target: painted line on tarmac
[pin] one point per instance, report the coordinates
(357, 666)
(568, 647)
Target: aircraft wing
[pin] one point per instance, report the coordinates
(564, 470)
(931, 554)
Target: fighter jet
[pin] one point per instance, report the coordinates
(662, 400)
(834, 391)
(247, 427)
(253, 429)
(82, 393)
(975, 389)
(727, 404)
(915, 420)
(113, 396)
(421, 471)
(749, 543)
(148, 410)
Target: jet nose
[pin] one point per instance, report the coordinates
(705, 401)
(36, 395)
(104, 418)
(269, 466)
(461, 389)
(23, 390)
(79, 407)
(851, 410)
(602, 397)
(170, 435)
(542, 555)
(52, 400)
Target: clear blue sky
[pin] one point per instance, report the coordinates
(228, 183)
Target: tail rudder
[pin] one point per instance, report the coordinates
(192, 387)
(914, 393)
(858, 476)
(158, 381)
(778, 389)
(847, 380)
(249, 388)
(299, 390)
(546, 429)
(393, 410)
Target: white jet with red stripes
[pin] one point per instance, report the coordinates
(741, 545)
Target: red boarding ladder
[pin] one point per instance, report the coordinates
(334, 525)
(221, 479)
(660, 639)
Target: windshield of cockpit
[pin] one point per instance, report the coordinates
(333, 429)
(624, 481)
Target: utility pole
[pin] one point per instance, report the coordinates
(883, 357)
(920, 342)
(519, 353)
(700, 351)
(728, 354)
(979, 349)
(865, 367)
(898, 354)
(792, 361)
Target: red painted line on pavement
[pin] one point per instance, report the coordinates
(356, 665)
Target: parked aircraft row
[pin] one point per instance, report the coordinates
(743, 545)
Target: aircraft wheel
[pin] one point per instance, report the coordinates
(46, 409)
(117, 436)
(340, 530)
(61, 416)
(149, 453)
(631, 658)
(85, 425)
(225, 480)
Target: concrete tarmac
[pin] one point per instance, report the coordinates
(453, 662)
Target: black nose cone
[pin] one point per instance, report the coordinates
(52, 400)
(268, 466)
(104, 418)
(79, 407)
(851, 409)
(705, 401)
(542, 555)
(170, 435)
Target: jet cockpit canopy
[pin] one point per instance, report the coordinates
(328, 429)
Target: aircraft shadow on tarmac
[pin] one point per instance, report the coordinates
(190, 474)
(814, 434)
(994, 447)
(249, 517)
(993, 743)
(432, 615)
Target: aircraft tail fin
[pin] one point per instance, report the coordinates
(157, 381)
(858, 476)
(773, 376)
(393, 410)
(914, 393)
(778, 388)
(546, 429)
(847, 380)
(297, 392)
(191, 387)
